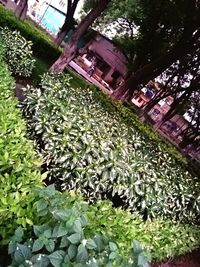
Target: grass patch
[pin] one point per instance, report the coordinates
(41, 67)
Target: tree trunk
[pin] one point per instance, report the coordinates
(64, 59)
(21, 9)
(70, 50)
(69, 21)
(60, 37)
(156, 67)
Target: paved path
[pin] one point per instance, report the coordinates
(85, 75)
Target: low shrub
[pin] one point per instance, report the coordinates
(19, 167)
(63, 215)
(59, 240)
(87, 146)
(18, 52)
(131, 118)
(150, 134)
(162, 238)
(42, 44)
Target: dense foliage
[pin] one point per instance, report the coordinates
(19, 176)
(88, 147)
(18, 163)
(162, 238)
(18, 52)
(42, 44)
(127, 112)
(59, 240)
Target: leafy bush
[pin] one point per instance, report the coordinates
(60, 241)
(18, 163)
(149, 133)
(42, 44)
(162, 238)
(87, 146)
(131, 118)
(18, 53)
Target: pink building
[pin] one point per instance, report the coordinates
(109, 61)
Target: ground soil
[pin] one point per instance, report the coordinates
(189, 260)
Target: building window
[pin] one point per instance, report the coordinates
(155, 112)
(116, 75)
(103, 66)
(90, 57)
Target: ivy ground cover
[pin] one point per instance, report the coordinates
(88, 147)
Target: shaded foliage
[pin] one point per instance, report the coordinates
(87, 146)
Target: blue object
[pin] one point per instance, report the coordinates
(149, 93)
(52, 20)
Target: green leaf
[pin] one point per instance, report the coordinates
(41, 205)
(98, 241)
(77, 226)
(62, 215)
(37, 245)
(82, 255)
(49, 191)
(137, 247)
(64, 242)
(56, 258)
(40, 260)
(50, 246)
(12, 247)
(112, 255)
(72, 251)
(22, 253)
(40, 229)
(91, 244)
(47, 233)
(113, 246)
(60, 230)
(95, 264)
(75, 238)
(19, 233)
(142, 260)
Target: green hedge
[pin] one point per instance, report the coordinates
(88, 146)
(19, 166)
(131, 118)
(162, 238)
(64, 215)
(18, 52)
(59, 238)
(42, 44)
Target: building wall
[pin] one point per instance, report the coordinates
(140, 100)
(110, 54)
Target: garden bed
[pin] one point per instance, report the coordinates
(99, 148)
